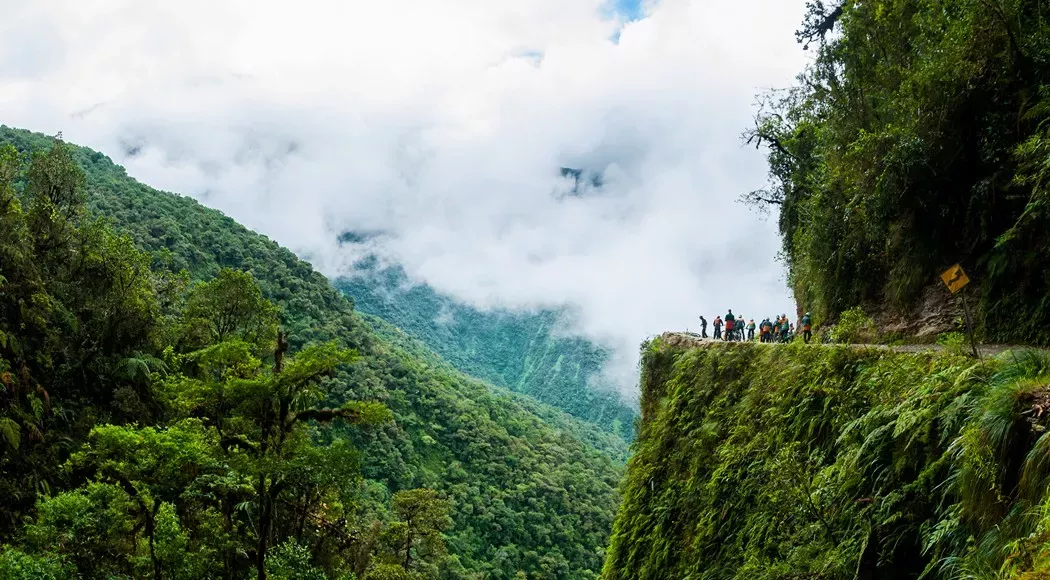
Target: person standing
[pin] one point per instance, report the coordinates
(751, 329)
(807, 327)
(718, 328)
(730, 324)
(703, 327)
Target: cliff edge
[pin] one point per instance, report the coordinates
(795, 461)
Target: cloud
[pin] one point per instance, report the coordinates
(444, 126)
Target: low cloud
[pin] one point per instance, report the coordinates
(443, 128)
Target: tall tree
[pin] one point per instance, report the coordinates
(422, 516)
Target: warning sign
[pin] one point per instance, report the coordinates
(954, 278)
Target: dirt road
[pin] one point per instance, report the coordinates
(691, 339)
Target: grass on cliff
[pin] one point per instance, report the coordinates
(830, 462)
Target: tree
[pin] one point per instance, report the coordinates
(229, 306)
(56, 199)
(84, 524)
(422, 516)
(261, 417)
(153, 467)
(75, 299)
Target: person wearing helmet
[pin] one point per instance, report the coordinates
(807, 327)
(751, 329)
(718, 328)
(730, 324)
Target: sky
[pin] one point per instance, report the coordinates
(438, 128)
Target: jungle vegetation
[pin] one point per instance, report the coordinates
(183, 398)
(798, 461)
(918, 137)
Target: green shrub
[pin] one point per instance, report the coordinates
(291, 561)
(854, 327)
(953, 342)
(16, 565)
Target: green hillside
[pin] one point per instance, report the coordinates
(611, 445)
(525, 498)
(762, 461)
(515, 350)
(918, 138)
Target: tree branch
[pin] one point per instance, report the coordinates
(326, 415)
(819, 22)
(238, 441)
(758, 138)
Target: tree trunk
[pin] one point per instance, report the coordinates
(227, 525)
(264, 529)
(151, 526)
(279, 352)
(408, 546)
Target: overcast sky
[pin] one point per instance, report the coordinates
(440, 126)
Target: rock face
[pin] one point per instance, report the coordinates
(936, 312)
(685, 340)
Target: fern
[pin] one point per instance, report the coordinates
(11, 432)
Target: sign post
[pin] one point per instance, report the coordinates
(955, 279)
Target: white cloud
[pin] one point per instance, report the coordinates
(444, 124)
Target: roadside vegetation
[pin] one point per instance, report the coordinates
(836, 462)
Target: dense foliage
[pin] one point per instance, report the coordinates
(521, 351)
(760, 461)
(917, 138)
(180, 400)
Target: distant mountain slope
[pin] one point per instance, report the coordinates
(612, 445)
(528, 498)
(516, 350)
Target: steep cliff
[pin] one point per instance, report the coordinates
(916, 138)
(762, 461)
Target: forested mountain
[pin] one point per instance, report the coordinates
(917, 138)
(516, 350)
(183, 398)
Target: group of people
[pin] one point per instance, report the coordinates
(777, 329)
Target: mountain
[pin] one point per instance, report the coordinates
(762, 462)
(525, 495)
(521, 351)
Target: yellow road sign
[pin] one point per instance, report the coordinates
(954, 278)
